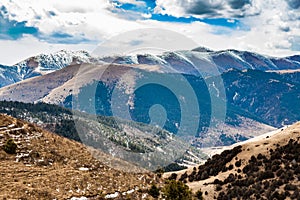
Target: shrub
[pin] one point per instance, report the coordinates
(154, 191)
(218, 187)
(199, 195)
(159, 172)
(296, 194)
(238, 163)
(246, 169)
(275, 168)
(279, 172)
(260, 156)
(176, 190)
(173, 167)
(290, 187)
(266, 184)
(265, 175)
(204, 175)
(10, 146)
(217, 181)
(253, 159)
(229, 179)
(173, 176)
(183, 176)
(259, 163)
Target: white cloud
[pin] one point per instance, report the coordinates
(71, 16)
(173, 8)
(135, 2)
(207, 8)
(274, 31)
(273, 25)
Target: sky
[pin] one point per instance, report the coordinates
(30, 27)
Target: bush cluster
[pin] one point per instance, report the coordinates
(262, 176)
(213, 166)
(174, 190)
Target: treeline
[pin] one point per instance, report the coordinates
(65, 122)
(10, 107)
(51, 117)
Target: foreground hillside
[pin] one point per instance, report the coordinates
(36, 164)
(268, 168)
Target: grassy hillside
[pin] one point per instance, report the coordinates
(268, 168)
(46, 166)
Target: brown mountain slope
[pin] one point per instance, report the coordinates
(47, 166)
(265, 169)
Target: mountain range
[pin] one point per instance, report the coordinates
(188, 62)
(237, 92)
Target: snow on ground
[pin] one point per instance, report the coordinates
(210, 151)
(79, 198)
(111, 196)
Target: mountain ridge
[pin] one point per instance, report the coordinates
(198, 61)
(40, 65)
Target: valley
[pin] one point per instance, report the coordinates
(150, 100)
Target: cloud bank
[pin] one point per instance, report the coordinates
(269, 27)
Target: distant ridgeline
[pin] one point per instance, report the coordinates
(266, 97)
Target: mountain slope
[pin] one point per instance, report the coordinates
(271, 96)
(63, 88)
(145, 146)
(47, 166)
(266, 168)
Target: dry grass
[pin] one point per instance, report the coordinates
(56, 167)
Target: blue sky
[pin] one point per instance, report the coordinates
(148, 8)
(29, 27)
